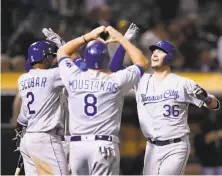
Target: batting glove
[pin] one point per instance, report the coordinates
(19, 130)
(107, 151)
(53, 37)
(132, 32)
(202, 94)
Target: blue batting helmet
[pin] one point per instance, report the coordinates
(38, 50)
(168, 48)
(96, 55)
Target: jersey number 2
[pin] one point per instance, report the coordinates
(171, 110)
(90, 107)
(30, 94)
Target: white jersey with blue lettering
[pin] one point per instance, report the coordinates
(95, 102)
(40, 90)
(95, 99)
(163, 106)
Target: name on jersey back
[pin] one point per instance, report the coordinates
(93, 85)
(32, 82)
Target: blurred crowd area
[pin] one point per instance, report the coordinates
(193, 26)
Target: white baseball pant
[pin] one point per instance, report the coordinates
(28, 163)
(87, 157)
(45, 150)
(169, 159)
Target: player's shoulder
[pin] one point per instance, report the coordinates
(132, 68)
(181, 79)
(147, 76)
(49, 72)
(177, 77)
(123, 72)
(144, 80)
(23, 76)
(54, 70)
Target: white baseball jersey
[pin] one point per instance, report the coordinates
(40, 90)
(163, 106)
(22, 119)
(95, 99)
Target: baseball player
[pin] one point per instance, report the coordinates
(163, 99)
(40, 90)
(130, 34)
(22, 120)
(21, 124)
(95, 101)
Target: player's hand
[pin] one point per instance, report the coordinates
(115, 36)
(19, 134)
(132, 32)
(95, 34)
(107, 151)
(201, 94)
(53, 37)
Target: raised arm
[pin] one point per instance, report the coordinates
(118, 57)
(73, 45)
(55, 38)
(135, 54)
(116, 63)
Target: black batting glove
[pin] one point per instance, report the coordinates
(202, 94)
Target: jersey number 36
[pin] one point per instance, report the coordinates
(171, 110)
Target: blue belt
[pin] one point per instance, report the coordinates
(162, 143)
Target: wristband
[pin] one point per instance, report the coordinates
(84, 39)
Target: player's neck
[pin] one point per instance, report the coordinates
(38, 66)
(162, 74)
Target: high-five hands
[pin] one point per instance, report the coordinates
(95, 34)
(132, 32)
(53, 37)
(115, 36)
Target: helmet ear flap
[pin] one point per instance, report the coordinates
(169, 58)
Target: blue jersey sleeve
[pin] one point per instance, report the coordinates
(117, 60)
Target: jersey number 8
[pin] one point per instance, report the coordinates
(90, 107)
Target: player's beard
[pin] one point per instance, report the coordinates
(159, 68)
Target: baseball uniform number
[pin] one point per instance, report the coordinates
(90, 107)
(171, 110)
(30, 94)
